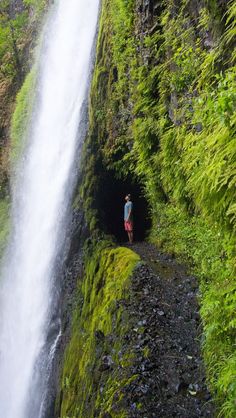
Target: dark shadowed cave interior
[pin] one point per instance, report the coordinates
(111, 200)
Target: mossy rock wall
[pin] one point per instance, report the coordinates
(22, 21)
(20, 125)
(20, 24)
(4, 222)
(93, 373)
(162, 110)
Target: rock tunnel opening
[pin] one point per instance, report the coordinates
(111, 207)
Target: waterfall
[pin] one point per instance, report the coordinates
(39, 207)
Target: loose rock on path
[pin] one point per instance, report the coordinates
(166, 340)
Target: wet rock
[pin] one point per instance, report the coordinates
(168, 365)
(99, 335)
(106, 364)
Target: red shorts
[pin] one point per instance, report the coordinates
(128, 226)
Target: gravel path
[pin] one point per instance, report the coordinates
(166, 338)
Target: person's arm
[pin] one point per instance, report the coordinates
(129, 213)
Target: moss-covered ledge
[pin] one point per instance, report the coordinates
(94, 371)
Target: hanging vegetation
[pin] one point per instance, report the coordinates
(163, 110)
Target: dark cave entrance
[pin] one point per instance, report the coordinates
(111, 207)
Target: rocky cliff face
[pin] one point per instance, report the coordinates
(162, 118)
(162, 124)
(19, 25)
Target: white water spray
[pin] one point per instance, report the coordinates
(39, 205)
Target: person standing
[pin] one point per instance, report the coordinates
(128, 218)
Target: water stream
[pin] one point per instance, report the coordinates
(40, 202)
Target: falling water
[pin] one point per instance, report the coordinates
(39, 206)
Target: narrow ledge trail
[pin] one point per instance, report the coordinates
(164, 307)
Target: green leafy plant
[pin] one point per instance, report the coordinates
(163, 110)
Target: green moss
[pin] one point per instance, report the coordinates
(99, 325)
(4, 222)
(162, 110)
(211, 255)
(21, 116)
(18, 29)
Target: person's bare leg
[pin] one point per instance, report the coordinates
(131, 237)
